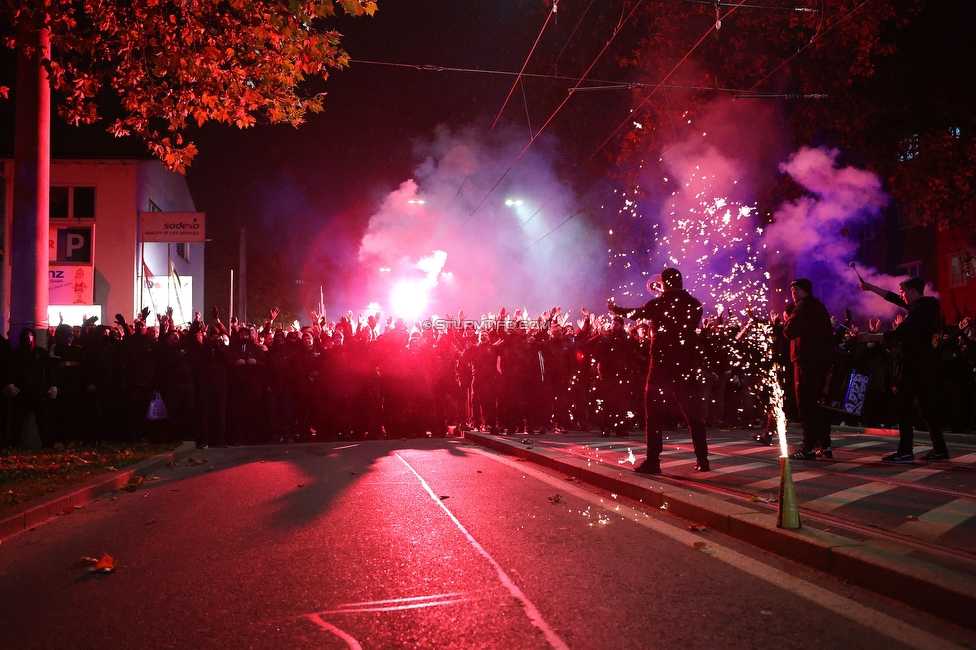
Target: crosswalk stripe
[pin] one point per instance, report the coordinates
(845, 497)
(774, 482)
(938, 521)
(862, 445)
(732, 469)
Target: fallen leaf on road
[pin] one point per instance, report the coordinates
(210, 469)
(556, 499)
(111, 469)
(191, 461)
(66, 511)
(78, 460)
(753, 498)
(354, 473)
(911, 518)
(700, 545)
(479, 471)
(175, 490)
(301, 485)
(697, 528)
(765, 612)
(444, 497)
(171, 465)
(150, 521)
(106, 565)
(134, 483)
(153, 478)
(664, 506)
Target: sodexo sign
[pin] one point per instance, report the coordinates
(190, 227)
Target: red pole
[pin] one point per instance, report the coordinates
(32, 186)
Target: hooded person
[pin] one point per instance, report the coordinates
(675, 372)
(810, 333)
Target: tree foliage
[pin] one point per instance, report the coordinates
(854, 74)
(174, 62)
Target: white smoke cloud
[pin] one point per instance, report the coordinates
(814, 231)
(489, 254)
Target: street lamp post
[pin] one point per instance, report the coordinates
(32, 186)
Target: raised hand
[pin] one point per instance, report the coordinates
(274, 313)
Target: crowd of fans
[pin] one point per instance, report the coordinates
(370, 377)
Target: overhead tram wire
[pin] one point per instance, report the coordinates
(616, 31)
(820, 32)
(579, 22)
(628, 119)
(606, 83)
(524, 65)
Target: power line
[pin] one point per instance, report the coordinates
(517, 78)
(614, 132)
(555, 112)
(606, 83)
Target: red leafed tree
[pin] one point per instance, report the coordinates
(172, 62)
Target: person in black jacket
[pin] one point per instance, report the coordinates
(810, 333)
(916, 377)
(675, 372)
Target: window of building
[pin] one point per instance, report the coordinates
(913, 269)
(908, 148)
(961, 268)
(72, 202)
(153, 207)
(183, 251)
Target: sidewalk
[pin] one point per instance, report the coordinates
(906, 531)
(37, 511)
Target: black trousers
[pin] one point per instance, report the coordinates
(689, 394)
(917, 392)
(809, 381)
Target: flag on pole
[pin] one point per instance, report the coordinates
(150, 281)
(148, 276)
(178, 287)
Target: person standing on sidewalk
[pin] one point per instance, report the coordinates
(916, 376)
(675, 373)
(811, 349)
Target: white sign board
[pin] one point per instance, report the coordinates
(70, 285)
(189, 227)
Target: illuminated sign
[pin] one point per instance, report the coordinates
(189, 227)
(71, 244)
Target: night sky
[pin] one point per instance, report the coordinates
(326, 204)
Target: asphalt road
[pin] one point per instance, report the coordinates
(414, 544)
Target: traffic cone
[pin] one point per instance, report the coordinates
(788, 516)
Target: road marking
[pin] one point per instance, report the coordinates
(732, 469)
(878, 621)
(862, 445)
(329, 627)
(399, 604)
(345, 447)
(938, 521)
(774, 482)
(850, 495)
(530, 610)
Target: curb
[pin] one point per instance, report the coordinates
(37, 511)
(939, 591)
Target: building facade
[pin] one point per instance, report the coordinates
(100, 263)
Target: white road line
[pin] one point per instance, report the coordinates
(878, 621)
(530, 610)
(329, 627)
(845, 497)
(941, 520)
(732, 469)
(774, 482)
(395, 608)
(840, 498)
(862, 445)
